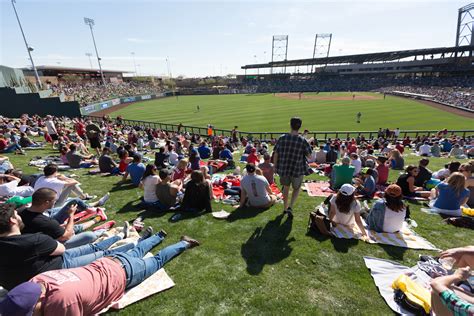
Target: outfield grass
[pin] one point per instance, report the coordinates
(266, 112)
(261, 263)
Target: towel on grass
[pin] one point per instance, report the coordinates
(320, 188)
(405, 238)
(157, 282)
(384, 272)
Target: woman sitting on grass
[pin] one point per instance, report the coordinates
(407, 183)
(148, 183)
(345, 209)
(387, 215)
(466, 169)
(450, 195)
(198, 194)
(179, 172)
(396, 160)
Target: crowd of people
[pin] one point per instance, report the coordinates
(54, 232)
(461, 97)
(93, 92)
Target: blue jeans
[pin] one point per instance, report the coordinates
(233, 191)
(138, 269)
(11, 148)
(60, 213)
(82, 238)
(81, 256)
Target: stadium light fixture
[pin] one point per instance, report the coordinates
(91, 23)
(134, 64)
(29, 49)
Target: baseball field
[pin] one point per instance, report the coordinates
(320, 112)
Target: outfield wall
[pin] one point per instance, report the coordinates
(95, 107)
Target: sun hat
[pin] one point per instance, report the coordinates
(21, 300)
(347, 189)
(393, 190)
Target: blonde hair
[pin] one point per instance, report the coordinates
(183, 163)
(457, 181)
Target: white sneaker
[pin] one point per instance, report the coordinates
(103, 199)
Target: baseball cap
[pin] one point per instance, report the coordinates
(21, 300)
(393, 190)
(364, 170)
(347, 189)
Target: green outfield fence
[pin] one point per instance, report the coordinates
(268, 136)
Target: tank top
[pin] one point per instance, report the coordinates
(470, 202)
(403, 184)
(163, 194)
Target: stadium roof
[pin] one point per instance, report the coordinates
(361, 58)
(74, 69)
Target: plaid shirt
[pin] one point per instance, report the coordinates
(292, 151)
(455, 304)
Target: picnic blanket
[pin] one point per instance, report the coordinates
(320, 188)
(157, 282)
(218, 185)
(405, 238)
(42, 162)
(384, 272)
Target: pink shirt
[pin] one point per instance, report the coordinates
(82, 291)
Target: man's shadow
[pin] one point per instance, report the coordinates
(268, 245)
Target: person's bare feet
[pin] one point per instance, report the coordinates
(191, 242)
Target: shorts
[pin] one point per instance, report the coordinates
(95, 143)
(54, 137)
(294, 181)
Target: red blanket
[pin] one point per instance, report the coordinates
(218, 188)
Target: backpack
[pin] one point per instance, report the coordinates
(319, 223)
(412, 296)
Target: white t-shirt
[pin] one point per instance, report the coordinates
(50, 127)
(256, 188)
(11, 189)
(52, 183)
(23, 128)
(425, 149)
(173, 158)
(345, 218)
(149, 187)
(393, 221)
(357, 165)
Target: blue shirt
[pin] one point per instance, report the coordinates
(226, 154)
(369, 186)
(448, 199)
(204, 152)
(136, 172)
(447, 146)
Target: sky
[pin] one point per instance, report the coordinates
(206, 38)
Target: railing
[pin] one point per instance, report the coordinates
(268, 136)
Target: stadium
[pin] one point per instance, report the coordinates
(336, 184)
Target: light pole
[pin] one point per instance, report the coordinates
(134, 64)
(28, 48)
(90, 61)
(91, 23)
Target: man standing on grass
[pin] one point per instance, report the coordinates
(290, 161)
(358, 117)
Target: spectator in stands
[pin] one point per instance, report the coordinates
(41, 217)
(31, 254)
(76, 160)
(356, 162)
(435, 150)
(425, 149)
(106, 163)
(382, 170)
(198, 194)
(388, 214)
(136, 170)
(457, 152)
(167, 191)
(6, 148)
(424, 174)
(321, 155)
(467, 169)
(331, 155)
(407, 183)
(396, 160)
(450, 195)
(268, 170)
(148, 183)
(204, 150)
(366, 183)
(255, 190)
(342, 173)
(161, 159)
(51, 129)
(62, 185)
(253, 157)
(9, 186)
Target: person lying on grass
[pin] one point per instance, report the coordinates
(448, 295)
(90, 289)
(30, 254)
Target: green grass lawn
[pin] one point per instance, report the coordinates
(265, 112)
(261, 263)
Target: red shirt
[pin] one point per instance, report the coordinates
(253, 158)
(3, 144)
(80, 129)
(382, 169)
(82, 291)
(400, 148)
